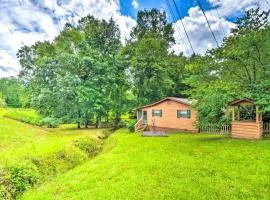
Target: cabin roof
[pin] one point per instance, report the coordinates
(178, 100)
(238, 101)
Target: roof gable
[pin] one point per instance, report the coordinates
(238, 101)
(175, 99)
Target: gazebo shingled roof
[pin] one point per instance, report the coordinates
(237, 101)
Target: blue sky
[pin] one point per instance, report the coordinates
(24, 22)
(183, 6)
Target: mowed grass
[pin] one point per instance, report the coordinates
(182, 166)
(20, 140)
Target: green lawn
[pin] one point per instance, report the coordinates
(182, 166)
(19, 140)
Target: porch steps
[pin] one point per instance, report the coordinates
(140, 126)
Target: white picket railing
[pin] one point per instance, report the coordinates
(266, 128)
(224, 129)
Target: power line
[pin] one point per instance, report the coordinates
(199, 2)
(220, 33)
(176, 25)
(178, 12)
(219, 16)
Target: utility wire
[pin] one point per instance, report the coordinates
(178, 12)
(176, 25)
(200, 5)
(220, 32)
(220, 18)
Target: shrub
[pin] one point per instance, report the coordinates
(50, 122)
(31, 117)
(26, 116)
(2, 105)
(88, 145)
(105, 134)
(60, 161)
(131, 125)
(71, 156)
(16, 179)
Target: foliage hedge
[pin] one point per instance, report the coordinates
(131, 125)
(15, 179)
(31, 117)
(105, 134)
(88, 145)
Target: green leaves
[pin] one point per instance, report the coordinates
(78, 76)
(237, 69)
(153, 23)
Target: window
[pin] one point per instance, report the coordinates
(183, 114)
(157, 113)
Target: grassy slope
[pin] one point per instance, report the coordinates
(178, 167)
(19, 140)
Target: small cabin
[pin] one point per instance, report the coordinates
(170, 113)
(247, 119)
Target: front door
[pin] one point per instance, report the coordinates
(145, 117)
(139, 114)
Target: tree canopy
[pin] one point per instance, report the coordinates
(87, 74)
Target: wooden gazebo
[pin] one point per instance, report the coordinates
(247, 119)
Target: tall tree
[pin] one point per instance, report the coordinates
(153, 22)
(239, 68)
(75, 77)
(10, 90)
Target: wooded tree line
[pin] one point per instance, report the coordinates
(86, 73)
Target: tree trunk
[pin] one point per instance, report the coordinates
(86, 120)
(98, 121)
(117, 121)
(107, 117)
(78, 125)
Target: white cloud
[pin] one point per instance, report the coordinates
(135, 4)
(25, 22)
(197, 28)
(199, 33)
(231, 7)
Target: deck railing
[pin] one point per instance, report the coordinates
(225, 129)
(222, 129)
(266, 128)
(139, 124)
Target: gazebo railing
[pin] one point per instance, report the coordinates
(221, 129)
(266, 128)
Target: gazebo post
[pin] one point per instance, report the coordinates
(233, 114)
(257, 114)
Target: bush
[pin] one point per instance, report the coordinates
(2, 103)
(131, 125)
(16, 179)
(31, 117)
(105, 134)
(60, 161)
(88, 145)
(26, 116)
(72, 156)
(50, 122)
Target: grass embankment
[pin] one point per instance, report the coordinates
(181, 166)
(30, 155)
(19, 140)
(30, 116)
